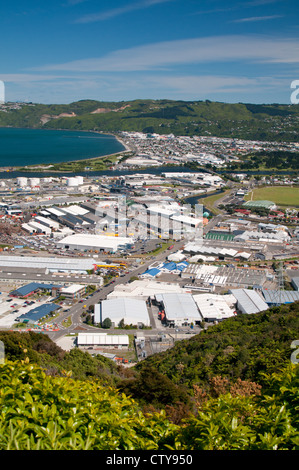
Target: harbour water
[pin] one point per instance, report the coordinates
(21, 147)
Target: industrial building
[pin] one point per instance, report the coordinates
(145, 289)
(74, 291)
(131, 311)
(97, 242)
(295, 283)
(215, 307)
(249, 301)
(224, 276)
(102, 340)
(169, 267)
(260, 236)
(32, 288)
(198, 248)
(279, 297)
(37, 313)
(67, 265)
(179, 309)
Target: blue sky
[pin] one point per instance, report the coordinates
(230, 51)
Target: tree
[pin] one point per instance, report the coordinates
(107, 323)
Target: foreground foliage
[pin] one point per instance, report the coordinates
(56, 413)
(59, 413)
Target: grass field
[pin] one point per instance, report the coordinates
(210, 202)
(284, 196)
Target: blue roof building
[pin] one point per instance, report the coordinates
(38, 313)
(153, 272)
(29, 289)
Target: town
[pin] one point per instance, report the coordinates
(127, 263)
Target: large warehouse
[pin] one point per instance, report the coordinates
(144, 289)
(214, 307)
(131, 311)
(179, 309)
(37, 313)
(68, 265)
(102, 340)
(97, 242)
(249, 301)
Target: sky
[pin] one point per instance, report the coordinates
(229, 51)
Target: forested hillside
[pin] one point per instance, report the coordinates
(257, 122)
(233, 386)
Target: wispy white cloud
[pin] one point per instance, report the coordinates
(257, 3)
(257, 18)
(236, 6)
(168, 54)
(121, 86)
(113, 12)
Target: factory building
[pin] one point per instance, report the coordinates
(179, 309)
(38, 313)
(67, 265)
(32, 288)
(131, 311)
(102, 340)
(99, 242)
(144, 289)
(249, 301)
(215, 307)
(278, 297)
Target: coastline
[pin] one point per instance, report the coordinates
(47, 166)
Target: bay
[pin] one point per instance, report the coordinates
(21, 147)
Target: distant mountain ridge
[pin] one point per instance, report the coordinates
(273, 122)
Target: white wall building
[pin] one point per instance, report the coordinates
(102, 340)
(87, 241)
(131, 311)
(179, 309)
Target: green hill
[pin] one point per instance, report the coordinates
(243, 347)
(262, 122)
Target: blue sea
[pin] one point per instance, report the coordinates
(21, 147)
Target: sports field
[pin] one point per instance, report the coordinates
(285, 196)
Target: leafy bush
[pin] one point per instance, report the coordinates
(39, 412)
(266, 422)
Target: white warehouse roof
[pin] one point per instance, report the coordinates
(53, 264)
(179, 308)
(88, 241)
(132, 311)
(72, 289)
(102, 339)
(144, 288)
(215, 307)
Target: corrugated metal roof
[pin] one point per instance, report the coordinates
(39, 312)
(280, 296)
(133, 311)
(178, 306)
(249, 301)
(25, 290)
(102, 339)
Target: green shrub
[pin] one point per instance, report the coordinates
(40, 412)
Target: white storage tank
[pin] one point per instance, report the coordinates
(34, 182)
(72, 181)
(22, 181)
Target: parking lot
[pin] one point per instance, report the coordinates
(12, 308)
